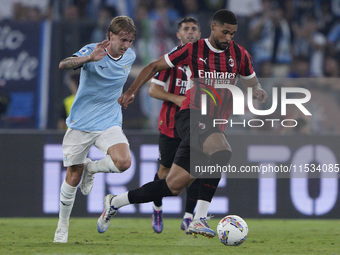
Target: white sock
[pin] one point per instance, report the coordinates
(157, 208)
(104, 165)
(188, 215)
(202, 208)
(67, 197)
(120, 200)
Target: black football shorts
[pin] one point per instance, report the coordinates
(167, 149)
(193, 129)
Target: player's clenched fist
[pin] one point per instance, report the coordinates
(126, 99)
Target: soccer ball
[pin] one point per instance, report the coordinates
(232, 230)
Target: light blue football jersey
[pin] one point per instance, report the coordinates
(95, 107)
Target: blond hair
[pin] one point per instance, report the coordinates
(121, 23)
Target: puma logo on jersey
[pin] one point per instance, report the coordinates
(182, 69)
(204, 60)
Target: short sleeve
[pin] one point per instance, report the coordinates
(181, 56)
(246, 68)
(85, 51)
(161, 77)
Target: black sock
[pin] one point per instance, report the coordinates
(157, 202)
(150, 192)
(192, 194)
(208, 189)
(218, 159)
(209, 185)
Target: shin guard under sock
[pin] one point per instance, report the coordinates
(67, 197)
(157, 202)
(150, 192)
(209, 185)
(192, 194)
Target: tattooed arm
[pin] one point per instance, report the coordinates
(97, 54)
(74, 62)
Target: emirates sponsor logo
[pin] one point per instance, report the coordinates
(216, 75)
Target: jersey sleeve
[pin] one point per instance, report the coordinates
(85, 51)
(246, 68)
(181, 56)
(161, 77)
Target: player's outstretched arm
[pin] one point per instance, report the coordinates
(146, 74)
(158, 92)
(97, 54)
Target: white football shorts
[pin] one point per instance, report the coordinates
(76, 143)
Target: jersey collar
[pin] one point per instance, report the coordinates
(114, 59)
(211, 47)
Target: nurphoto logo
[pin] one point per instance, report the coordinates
(239, 104)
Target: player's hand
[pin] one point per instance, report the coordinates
(259, 94)
(99, 51)
(126, 99)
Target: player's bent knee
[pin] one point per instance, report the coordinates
(175, 189)
(123, 165)
(175, 192)
(73, 178)
(74, 173)
(163, 172)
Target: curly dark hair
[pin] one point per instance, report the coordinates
(225, 16)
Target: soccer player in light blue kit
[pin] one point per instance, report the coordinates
(96, 116)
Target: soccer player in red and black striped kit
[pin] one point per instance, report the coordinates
(170, 86)
(217, 57)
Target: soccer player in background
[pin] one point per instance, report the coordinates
(217, 56)
(72, 84)
(96, 116)
(170, 85)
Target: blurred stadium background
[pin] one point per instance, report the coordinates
(293, 43)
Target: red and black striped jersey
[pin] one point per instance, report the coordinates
(210, 66)
(173, 80)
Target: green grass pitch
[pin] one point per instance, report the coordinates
(135, 236)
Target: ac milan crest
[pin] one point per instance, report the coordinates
(201, 125)
(231, 62)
